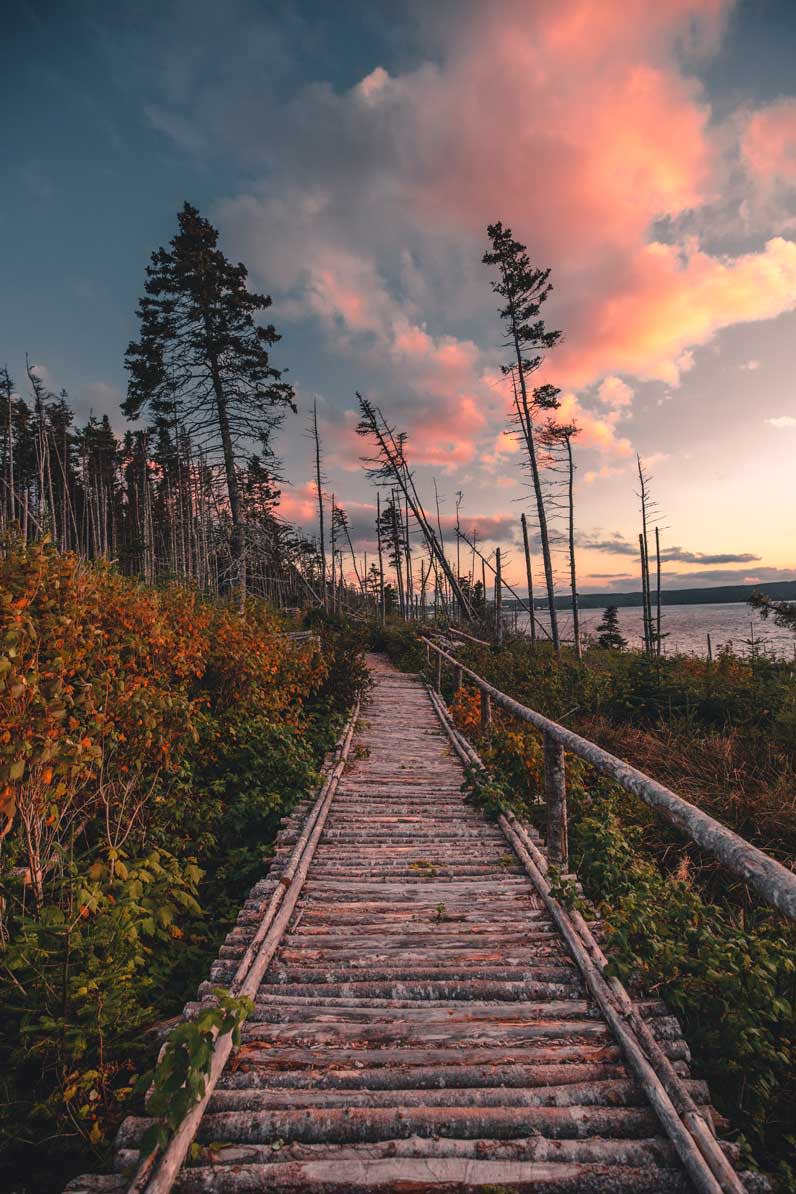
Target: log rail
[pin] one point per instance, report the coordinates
(774, 882)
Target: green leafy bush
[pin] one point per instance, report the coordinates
(150, 741)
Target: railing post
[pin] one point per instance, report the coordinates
(428, 654)
(498, 601)
(458, 677)
(555, 788)
(486, 712)
(438, 678)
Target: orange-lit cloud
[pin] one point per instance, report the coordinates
(672, 298)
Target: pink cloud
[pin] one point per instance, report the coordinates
(615, 393)
(298, 504)
(595, 431)
(768, 144)
(671, 298)
(576, 123)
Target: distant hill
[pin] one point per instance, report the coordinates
(783, 590)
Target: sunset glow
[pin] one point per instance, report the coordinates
(354, 166)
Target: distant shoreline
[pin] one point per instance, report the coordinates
(782, 590)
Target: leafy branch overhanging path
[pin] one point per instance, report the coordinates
(426, 1021)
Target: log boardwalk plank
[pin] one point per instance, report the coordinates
(423, 1025)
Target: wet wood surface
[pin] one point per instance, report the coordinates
(422, 1026)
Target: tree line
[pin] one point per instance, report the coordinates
(190, 491)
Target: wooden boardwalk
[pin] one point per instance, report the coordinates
(422, 1026)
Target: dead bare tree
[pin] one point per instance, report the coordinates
(319, 492)
(653, 635)
(528, 576)
(559, 436)
(390, 464)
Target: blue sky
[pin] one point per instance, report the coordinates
(352, 154)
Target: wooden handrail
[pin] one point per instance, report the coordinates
(303, 636)
(770, 878)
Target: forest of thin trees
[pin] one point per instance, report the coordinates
(190, 492)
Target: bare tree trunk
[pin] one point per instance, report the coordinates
(11, 483)
(529, 576)
(233, 491)
(319, 489)
(645, 595)
(498, 601)
(572, 574)
(526, 423)
(397, 555)
(410, 587)
(382, 610)
(658, 639)
(646, 578)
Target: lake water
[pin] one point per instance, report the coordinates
(686, 627)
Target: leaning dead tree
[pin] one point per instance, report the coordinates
(486, 563)
(390, 466)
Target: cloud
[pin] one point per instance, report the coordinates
(594, 431)
(751, 366)
(768, 144)
(45, 376)
(591, 131)
(781, 421)
(671, 298)
(618, 545)
(615, 393)
(179, 128)
(100, 398)
(298, 504)
(627, 582)
(740, 576)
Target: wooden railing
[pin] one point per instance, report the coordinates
(770, 878)
(303, 636)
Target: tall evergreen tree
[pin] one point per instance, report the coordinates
(201, 362)
(610, 636)
(524, 290)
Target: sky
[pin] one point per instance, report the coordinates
(352, 155)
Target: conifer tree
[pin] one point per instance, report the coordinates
(524, 289)
(608, 630)
(201, 363)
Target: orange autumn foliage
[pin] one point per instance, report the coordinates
(99, 672)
